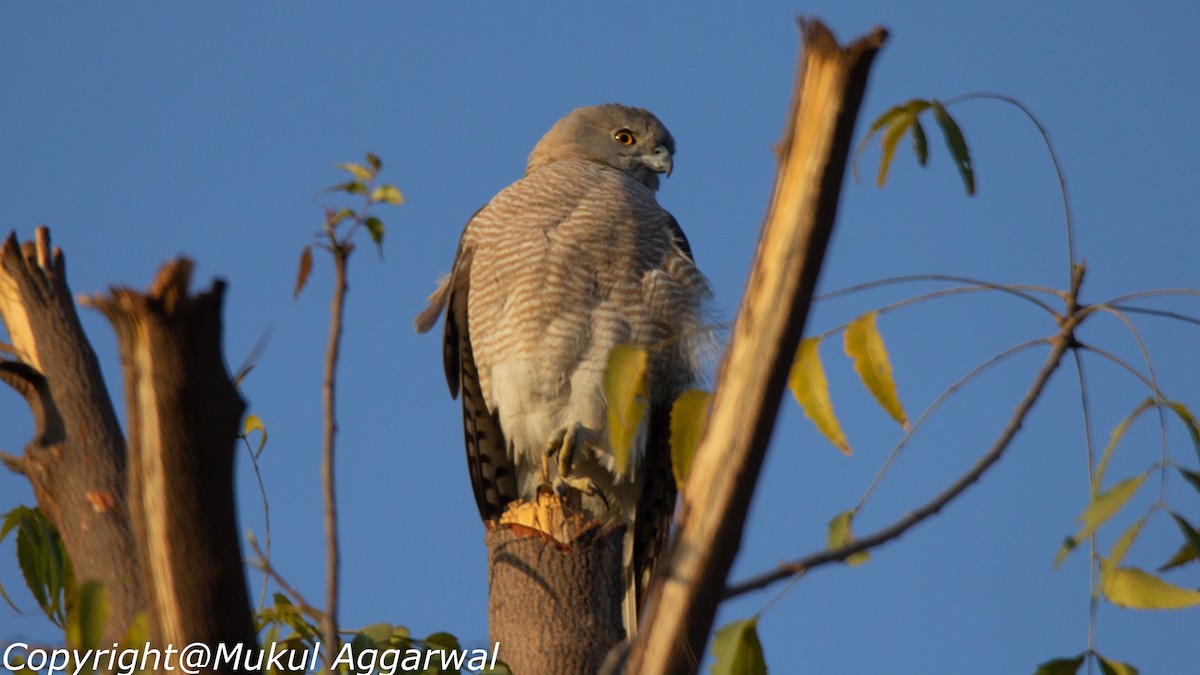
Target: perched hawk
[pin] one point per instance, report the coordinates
(562, 266)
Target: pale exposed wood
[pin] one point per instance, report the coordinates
(753, 373)
(183, 416)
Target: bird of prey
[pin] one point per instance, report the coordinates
(572, 260)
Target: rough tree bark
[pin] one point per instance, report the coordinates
(76, 459)
(762, 346)
(155, 525)
(183, 417)
(554, 589)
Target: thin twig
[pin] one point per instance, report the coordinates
(265, 565)
(262, 490)
(1093, 603)
(1058, 170)
(341, 254)
(1155, 293)
(1124, 365)
(1156, 312)
(1162, 415)
(933, 295)
(14, 463)
(1020, 290)
(958, 384)
(1063, 341)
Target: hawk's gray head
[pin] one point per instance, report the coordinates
(628, 139)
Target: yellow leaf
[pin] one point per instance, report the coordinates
(811, 389)
(387, 194)
(891, 137)
(1115, 438)
(1102, 507)
(1135, 589)
(689, 415)
(839, 535)
(1106, 505)
(254, 423)
(359, 171)
(864, 344)
(1110, 667)
(625, 392)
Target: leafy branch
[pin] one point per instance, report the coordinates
(340, 244)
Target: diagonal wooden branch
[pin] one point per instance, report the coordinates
(76, 460)
(753, 374)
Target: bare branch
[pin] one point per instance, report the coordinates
(264, 565)
(1022, 291)
(1155, 312)
(1157, 293)
(1063, 341)
(341, 255)
(14, 463)
(1058, 170)
(954, 387)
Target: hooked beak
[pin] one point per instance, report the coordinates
(659, 160)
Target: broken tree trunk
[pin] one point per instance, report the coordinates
(554, 588)
(762, 346)
(76, 460)
(183, 417)
(152, 520)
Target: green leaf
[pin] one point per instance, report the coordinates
(864, 345)
(375, 227)
(625, 392)
(350, 187)
(1190, 476)
(1189, 420)
(1065, 666)
(305, 269)
(811, 389)
(919, 143)
(738, 651)
(42, 557)
(1114, 438)
(374, 161)
(29, 552)
(839, 535)
(1191, 542)
(378, 633)
(251, 424)
(1189, 532)
(1183, 556)
(85, 625)
(689, 415)
(1133, 588)
(1115, 667)
(387, 194)
(359, 171)
(957, 145)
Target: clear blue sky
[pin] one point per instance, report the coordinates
(140, 132)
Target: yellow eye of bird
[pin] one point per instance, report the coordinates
(623, 136)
